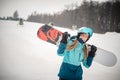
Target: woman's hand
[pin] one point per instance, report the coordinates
(65, 37)
(92, 50)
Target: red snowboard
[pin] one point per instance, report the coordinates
(49, 34)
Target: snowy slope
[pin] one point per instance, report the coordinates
(23, 56)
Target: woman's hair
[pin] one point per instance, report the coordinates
(73, 45)
(85, 52)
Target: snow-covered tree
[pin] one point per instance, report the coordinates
(21, 21)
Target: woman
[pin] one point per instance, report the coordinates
(75, 52)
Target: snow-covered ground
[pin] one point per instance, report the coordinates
(23, 56)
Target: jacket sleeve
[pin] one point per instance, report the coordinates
(87, 63)
(61, 49)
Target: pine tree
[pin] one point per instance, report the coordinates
(15, 15)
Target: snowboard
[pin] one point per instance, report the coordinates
(52, 35)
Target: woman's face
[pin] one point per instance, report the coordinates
(84, 37)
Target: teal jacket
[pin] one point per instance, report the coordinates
(71, 66)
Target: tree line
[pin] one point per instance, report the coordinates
(15, 17)
(102, 17)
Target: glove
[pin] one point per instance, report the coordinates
(92, 51)
(65, 36)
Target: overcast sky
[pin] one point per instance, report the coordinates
(26, 7)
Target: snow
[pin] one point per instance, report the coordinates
(23, 56)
